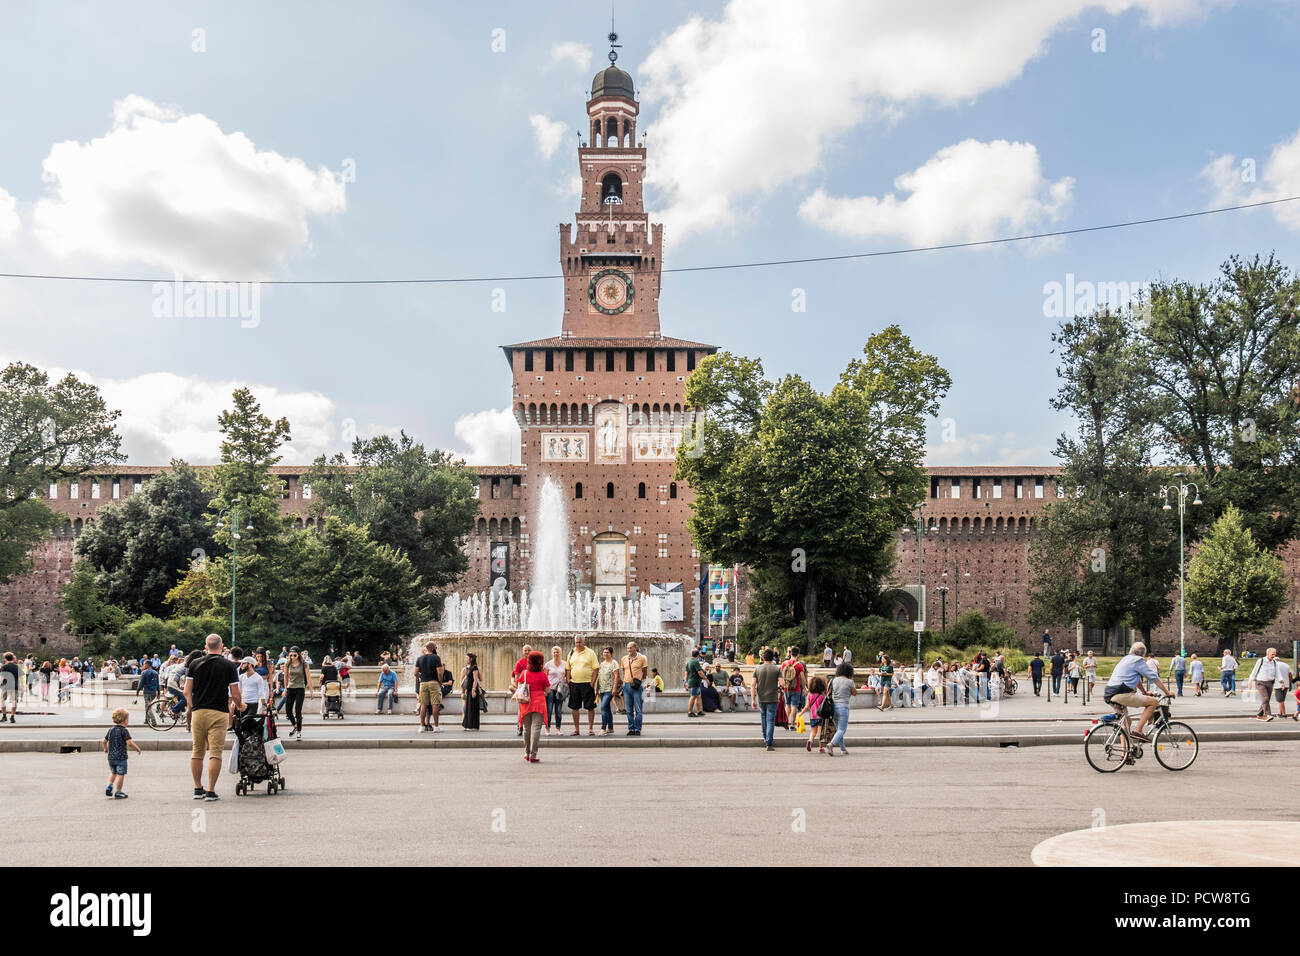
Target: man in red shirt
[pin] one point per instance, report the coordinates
(521, 665)
(793, 674)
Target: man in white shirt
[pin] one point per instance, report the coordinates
(1228, 675)
(1263, 678)
(253, 690)
(934, 681)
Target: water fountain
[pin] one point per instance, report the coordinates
(495, 624)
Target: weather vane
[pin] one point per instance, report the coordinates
(614, 45)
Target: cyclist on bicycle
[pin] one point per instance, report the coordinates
(1122, 690)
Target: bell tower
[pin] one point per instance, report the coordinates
(611, 254)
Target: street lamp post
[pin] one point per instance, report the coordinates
(234, 559)
(920, 605)
(943, 606)
(1182, 489)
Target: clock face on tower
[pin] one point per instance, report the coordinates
(610, 291)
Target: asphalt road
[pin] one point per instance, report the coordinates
(735, 805)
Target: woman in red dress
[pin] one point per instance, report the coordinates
(532, 712)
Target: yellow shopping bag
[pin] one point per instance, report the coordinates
(799, 725)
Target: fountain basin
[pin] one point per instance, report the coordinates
(499, 651)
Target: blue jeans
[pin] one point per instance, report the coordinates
(841, 725)
(1056, 683)
(982, 688)
(385, 697)
(1229, 681)
(767, 716)
(632, 703)
(554, 708)
(606, 715)
(1178, 678)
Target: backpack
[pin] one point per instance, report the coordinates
(826, 709)
(790, 675)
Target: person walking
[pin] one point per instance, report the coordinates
(1036, 673)
(635, 670)
(471, 692)
(842, 691)
(1075, 671)
(885, 669)
(298, 685)
(765, 687)
(1090, 671)
(1281, 685)
(11, 679)
(608, 677)
(211, 684)
(795, 681)
(428, 671)
(828, 654)
(517, 672)
(1058, 670)
(1228, 674)
(116, 741)
(1262, 678)
(580, 675)
(254, 693)
(1047, 643)
(1178, 671)
(532, 712)
(1197, 668)
(816, 694)
(557, 691)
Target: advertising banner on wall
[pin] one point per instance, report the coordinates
(499, 564)
(671, 607)
(719, 594)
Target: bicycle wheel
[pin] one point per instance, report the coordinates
(1176, 746)
(151, 716)
(1106, 747)
(1012, 686)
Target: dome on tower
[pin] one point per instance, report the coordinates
(612, 81)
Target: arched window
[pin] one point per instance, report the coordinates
(577, 490)
(609, 489)
(672, 490)
(611, 188)
(640, 490)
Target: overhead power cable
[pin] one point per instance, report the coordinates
(761, 264)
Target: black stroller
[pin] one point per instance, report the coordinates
(253, 732)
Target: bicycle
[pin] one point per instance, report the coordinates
(1011, 686)
(1108, 746)
(160, 715)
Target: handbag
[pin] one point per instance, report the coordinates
(521, 693)
(482, 701)
(274, 751)
(826, 709)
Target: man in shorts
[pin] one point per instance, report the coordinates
(581, 676)
(210, 686)
(1122, 688)
(428, 671)
(694, 685)
(10, 677)
(793, 675)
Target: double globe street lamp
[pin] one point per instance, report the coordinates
(1182, 488)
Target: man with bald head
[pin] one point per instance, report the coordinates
(210, 686)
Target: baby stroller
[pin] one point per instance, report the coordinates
(331, 699)
(252, 733)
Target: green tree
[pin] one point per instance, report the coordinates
(141, 545)
(84, 604)
(1233, 586)
(1105, 553)
(793, 482)
(194, 595)
(1222, 362)
(49, 432)
(417, 502)
(368, 593)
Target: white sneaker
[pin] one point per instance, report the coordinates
(436, 730)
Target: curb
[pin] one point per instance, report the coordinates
(84, 745)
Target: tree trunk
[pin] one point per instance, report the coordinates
(810, 610)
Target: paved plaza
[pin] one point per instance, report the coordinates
(732, 806)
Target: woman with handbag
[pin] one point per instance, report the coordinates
(842, 690)
(608, 678)
(555, 697)
(532, 695)
(812, 712)
(471, 692)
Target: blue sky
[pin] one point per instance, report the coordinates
(775, 130)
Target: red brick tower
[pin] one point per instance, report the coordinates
(601, 405)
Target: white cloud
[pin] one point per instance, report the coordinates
(1278, 177)
(571, 51)
(492, 436)
(784, 81)
(172, 190)
(985, 449)
(9, 224)
(967, 191)
(549, 133)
